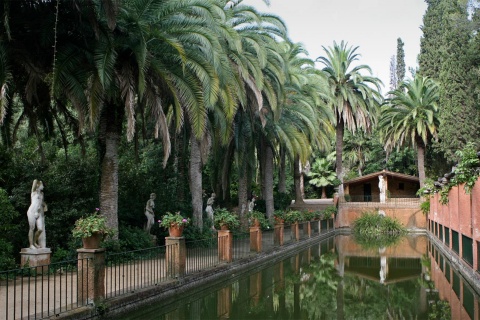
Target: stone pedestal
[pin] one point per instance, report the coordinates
(39, 258)
(295, 232)
(176, 256)
(278, 234)
(91, 275)
(225, 245)
(255, 239)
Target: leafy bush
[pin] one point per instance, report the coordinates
(223, 217)
(329, 211)
(371, 224)
(8, 230)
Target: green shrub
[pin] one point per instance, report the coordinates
(329, 211)
(371, 224)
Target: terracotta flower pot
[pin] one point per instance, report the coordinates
(92, 242)
(175, 230)
(279, 220)
(256, 223)
(224, 227)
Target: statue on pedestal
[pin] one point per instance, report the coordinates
(381, 187)
(149, 212)
(209, 208)
(36, 217)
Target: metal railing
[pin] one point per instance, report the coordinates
(41, 291)
(241, 245)
(129, 271)
(368, 201)
(202, 254)
(46, 291)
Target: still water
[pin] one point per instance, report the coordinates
(337, 279)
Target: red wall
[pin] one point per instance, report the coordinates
(462, 214)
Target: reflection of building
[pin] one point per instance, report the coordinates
(397, 263)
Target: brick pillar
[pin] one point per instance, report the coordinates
(225, 245)
(176, 256)
(255, 239)
(91, 275)
(295, 233)
(278, 235)
(309, 229)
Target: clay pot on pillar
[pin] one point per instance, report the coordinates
(175, 230)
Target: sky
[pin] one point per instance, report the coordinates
(372, 25)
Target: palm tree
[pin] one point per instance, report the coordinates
(355, 97)
(411, 117)
(321, 174)
(161, 56)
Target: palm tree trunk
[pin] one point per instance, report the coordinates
(196, 181)
(421, 161)
(109, 140)
(324, 194)
(282, 185)
(243, 195)
(297, 180)
(269, 181)
(339, 151)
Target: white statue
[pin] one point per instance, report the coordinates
(251, 204)
(381, 187)
(36, 217)
(149, 212)
(209, 208)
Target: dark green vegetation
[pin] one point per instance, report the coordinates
(372, 230)
(109, 101)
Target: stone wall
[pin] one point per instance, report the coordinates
(408, 213)
(460, 215)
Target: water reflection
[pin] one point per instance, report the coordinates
(337, 279)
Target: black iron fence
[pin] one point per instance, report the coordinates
(42, 291)
(46, 291)
(129, 271)
(202, 254)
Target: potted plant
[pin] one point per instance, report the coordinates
(279, 216)
(257, 219)
(329, 212)
(92, 229)
(224, 219)
(175, 223)
(293, 216)
(308, 215)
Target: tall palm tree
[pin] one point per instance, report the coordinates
(411, 117)
(161, 56)
(321, 173)
(356, 97)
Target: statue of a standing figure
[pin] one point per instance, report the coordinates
(209, 208)
(381, 187)
(149, 212)
(36, 217)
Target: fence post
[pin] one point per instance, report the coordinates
(309, 229)
(176, 256)
(255, 239)
(278, 235)
(225, 245)
(91, 275)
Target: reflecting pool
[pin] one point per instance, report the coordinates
(337, 278)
